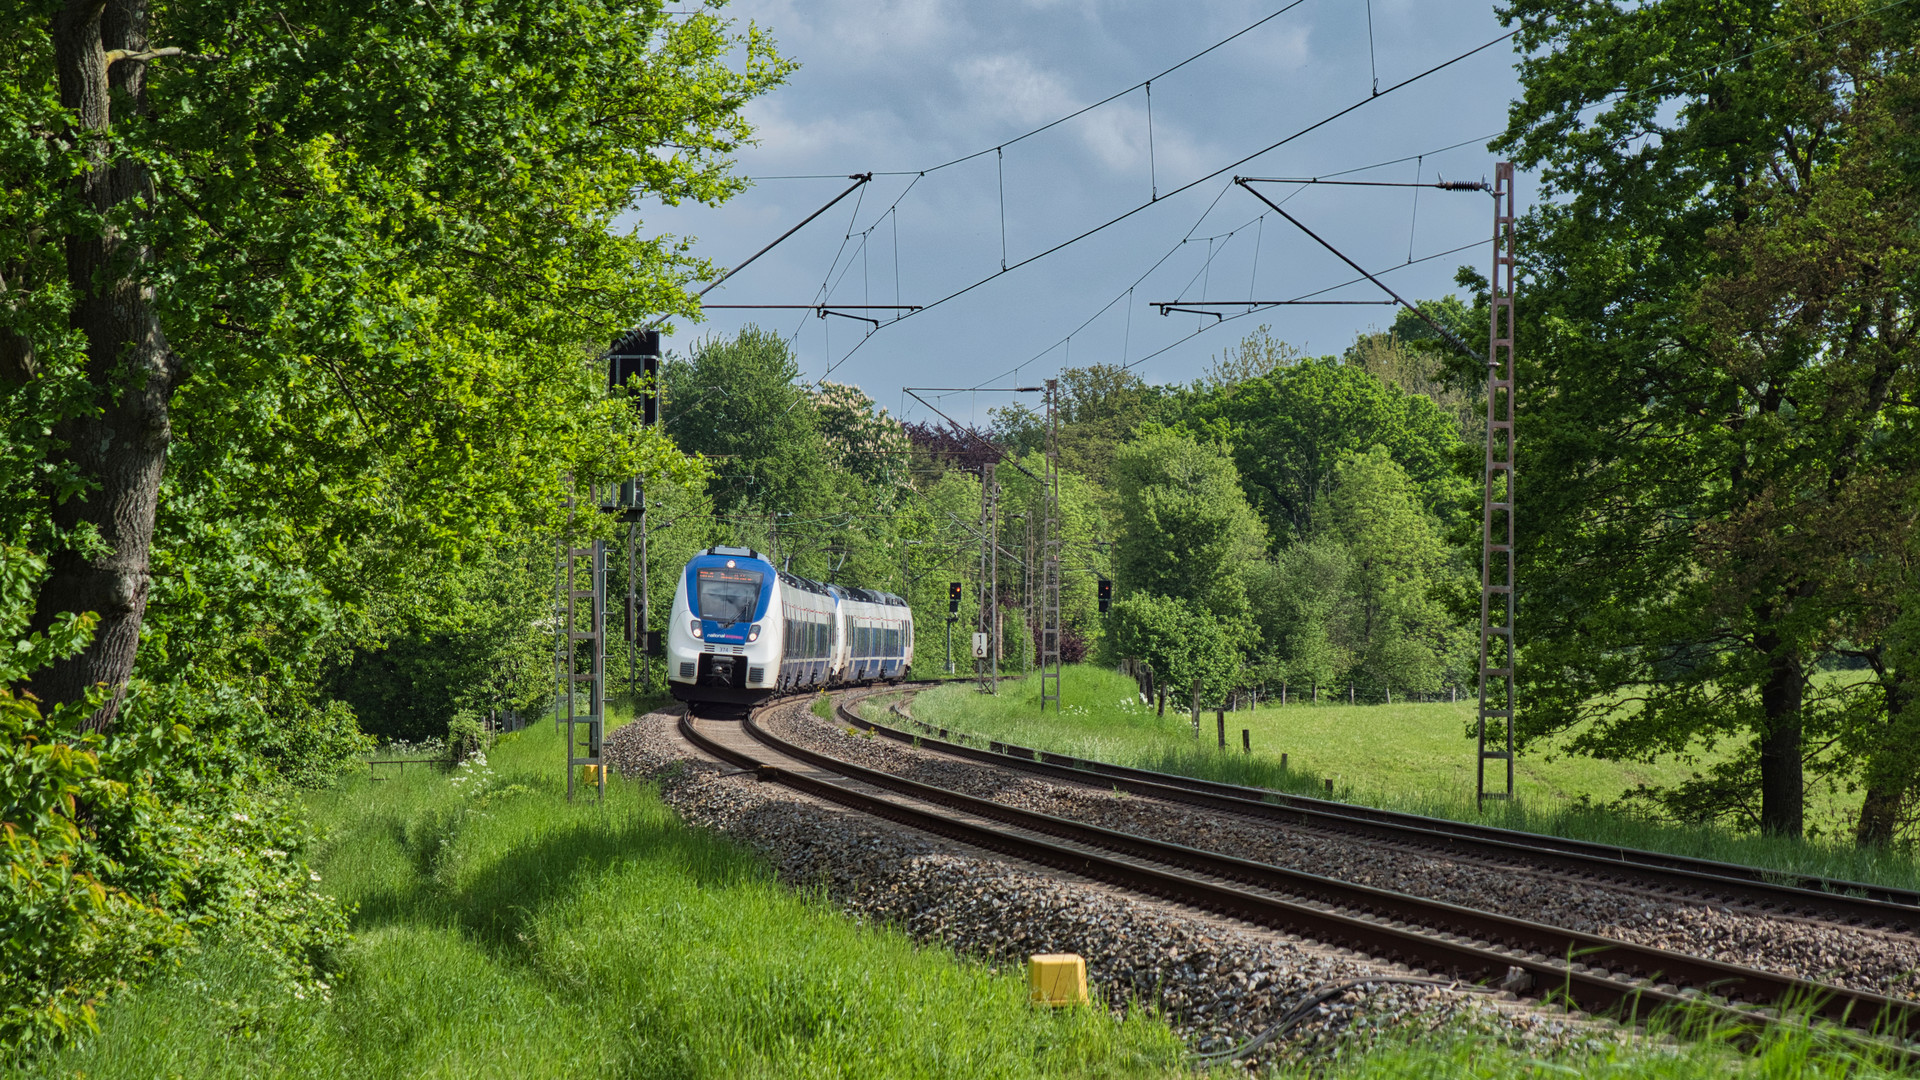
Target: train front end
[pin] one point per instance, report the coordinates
(723, 642)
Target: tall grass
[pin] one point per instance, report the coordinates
(1703, 1050)
(503, 932)
(1393, 767)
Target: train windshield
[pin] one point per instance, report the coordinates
(728, 595)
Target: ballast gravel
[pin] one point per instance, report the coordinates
(1857, 957)
(1220, 983)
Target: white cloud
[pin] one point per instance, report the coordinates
(1005, 86)
(785, 136)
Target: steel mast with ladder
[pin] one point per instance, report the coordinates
(1050, 541)
(583, 624)
(1496, 535)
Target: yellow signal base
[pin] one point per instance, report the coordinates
(1057, 979)
(593, 774)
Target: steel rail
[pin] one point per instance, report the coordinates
(1473, 945)
(1843, 901)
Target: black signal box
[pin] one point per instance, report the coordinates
(1106, 594)
(953, 598)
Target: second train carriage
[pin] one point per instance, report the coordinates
(742, 631)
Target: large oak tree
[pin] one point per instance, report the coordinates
(342, 262)
(1719, 459)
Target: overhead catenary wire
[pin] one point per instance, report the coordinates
(1153, 168)
(1447, 334)
(1115, 220)
(1373, 65)
(1608, 99)
(1330, 288)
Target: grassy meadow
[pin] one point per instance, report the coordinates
(1405, 756)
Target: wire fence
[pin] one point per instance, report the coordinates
(1251, 696)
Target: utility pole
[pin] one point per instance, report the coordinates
(1050, 542)
(1026, 594)
(1497, 499)
(583, 591)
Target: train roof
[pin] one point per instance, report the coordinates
(865, 596)
(871, 596)
(795, 581)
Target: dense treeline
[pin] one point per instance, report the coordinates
(1283, 519)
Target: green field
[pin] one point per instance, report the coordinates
(1413, 757)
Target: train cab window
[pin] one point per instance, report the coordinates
(728, 595)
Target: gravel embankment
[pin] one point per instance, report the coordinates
(1855, 957)
(1220, 983)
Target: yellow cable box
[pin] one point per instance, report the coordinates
(1057, 979)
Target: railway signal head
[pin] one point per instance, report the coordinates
(953, 598)
(1106, 594)
(637, 352)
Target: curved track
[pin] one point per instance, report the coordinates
(1852, 903)
(1592, 972)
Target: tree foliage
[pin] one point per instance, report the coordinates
(1185, 527)
(298, 308)
(1289, 430)
(1721, 483)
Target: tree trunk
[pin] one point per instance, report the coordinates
(1889, 775)
(1781, 789)
(117, 446)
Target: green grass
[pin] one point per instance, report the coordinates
(1412, 757)
(502, 932)
(1702, 1052)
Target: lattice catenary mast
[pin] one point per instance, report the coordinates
(1050, 541)
(582, 622)
(1496, 536)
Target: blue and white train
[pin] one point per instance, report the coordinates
(742, 632)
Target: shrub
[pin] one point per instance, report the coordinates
(123, 848)
(465, 736)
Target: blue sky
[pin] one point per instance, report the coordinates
(907, 85)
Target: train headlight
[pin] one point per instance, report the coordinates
(753, 633)
(695, 629)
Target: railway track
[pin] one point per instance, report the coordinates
(1844, 902)
(1590, 972)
